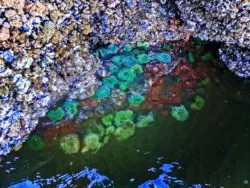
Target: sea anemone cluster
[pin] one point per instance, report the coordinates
(124, 65)
(46, 50)
(121, 125)
(68, 109)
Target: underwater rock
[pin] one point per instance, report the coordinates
(65, 127)
(221, 21)
(236, 59)
(229, 25)
(70, 144)
(26, 184)
(155, 69)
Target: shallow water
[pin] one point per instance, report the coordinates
(210, 149)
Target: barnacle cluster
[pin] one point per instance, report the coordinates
(236, 59)
(226, 21)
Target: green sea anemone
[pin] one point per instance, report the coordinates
(103, 92)
(123, 133)
(143, 58)
(138, 68)
(207, 57)
(70, 144)
(113, 69)
(117, 60)
(110, 130)
(144, 45)
(129, 61)
(56, 115)
(127, 48)
(110, 81)
(136, 51)
(198, 103)
(167, 47)
(123, 85)
(112, 48)
(91, 142)
(190, 57)
(126, 74)
(107, 120)
(145, 121)
(36, 143)
(123, 117)
(205, 82)
(136, 100)
(180, 113)
(163, 57)
(70, 107)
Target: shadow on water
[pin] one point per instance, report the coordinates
(211, 148)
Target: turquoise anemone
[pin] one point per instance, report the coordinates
(110, 81)
(126, 74)
(70, 107)
(180, 113)
(103, 91)
(57, 114)
(136, 100)
(163, 57)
